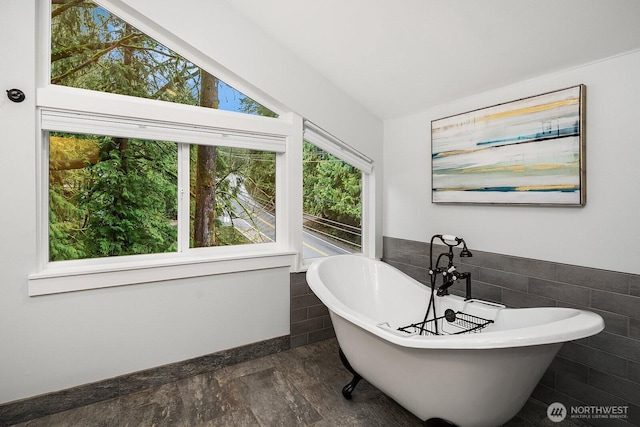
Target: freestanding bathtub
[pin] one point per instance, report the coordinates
(482, 377)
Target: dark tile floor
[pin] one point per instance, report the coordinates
(299, 387)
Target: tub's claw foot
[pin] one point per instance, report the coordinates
(348, 389)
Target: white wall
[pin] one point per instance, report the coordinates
(603, 234)
(54, 342)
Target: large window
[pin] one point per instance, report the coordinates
(151, 168)
(112, 196)
(150, 165)
(118, 195)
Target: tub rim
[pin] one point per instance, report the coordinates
(576, 325)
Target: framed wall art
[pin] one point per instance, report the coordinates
(525, 152)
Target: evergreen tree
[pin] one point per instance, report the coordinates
(332, 190)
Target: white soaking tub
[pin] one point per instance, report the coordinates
(478, 370)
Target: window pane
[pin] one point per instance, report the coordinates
(111, 196)
(332, 204)
(232, 196)
(93, 49)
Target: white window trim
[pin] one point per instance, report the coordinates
(65, 107)
(155, 269)
(74, 275)
(65, 276)
(333, 145)
(131, 127)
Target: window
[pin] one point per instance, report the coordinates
(243, 192)
(92, 48)
(138, 189)
(112, 196)
(334, 177)
(332, 204)
(151, 169)
(118, 195)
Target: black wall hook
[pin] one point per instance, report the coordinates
(16, 95)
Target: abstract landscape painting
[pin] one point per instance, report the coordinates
(528, 152)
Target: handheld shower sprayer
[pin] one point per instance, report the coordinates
(465, 252)
(453, 241)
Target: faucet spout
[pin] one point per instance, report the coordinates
(443, 289)
(454, 277)
(450, 276)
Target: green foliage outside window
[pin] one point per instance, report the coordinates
(332, 195)
(96, 207)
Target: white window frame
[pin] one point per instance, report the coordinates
(68, 109)
(176, 123)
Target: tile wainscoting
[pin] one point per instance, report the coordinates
(310, 320)
(602, 370)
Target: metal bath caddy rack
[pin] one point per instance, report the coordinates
(451, 323)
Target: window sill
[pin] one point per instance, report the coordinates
(69, 277)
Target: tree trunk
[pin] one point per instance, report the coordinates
(123, 143)
(205, 192)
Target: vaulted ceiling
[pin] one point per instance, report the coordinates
(397, 57)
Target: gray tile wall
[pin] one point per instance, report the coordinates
(600, 370)
(310, 320)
